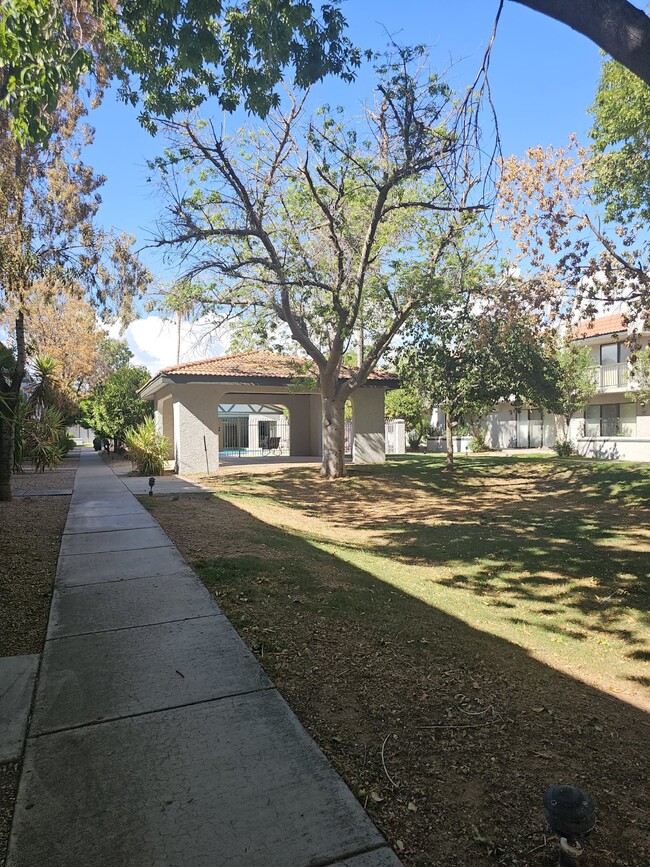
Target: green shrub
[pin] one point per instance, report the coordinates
(147, 448)
(20, 434)
(478, 444)
(68, 443)
(478, 433)
(564, 448)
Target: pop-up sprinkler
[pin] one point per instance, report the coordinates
(571, 815)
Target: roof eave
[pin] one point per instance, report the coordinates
(163, 379)
(149, 389)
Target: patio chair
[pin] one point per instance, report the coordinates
(271, 445)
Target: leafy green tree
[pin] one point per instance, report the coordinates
(413, 407)
(50, 237)
(115, 407)
(44, 48)
(184, 53)
(468, 358)
(113, 354)
(621, 136)
(179, 53)
(640, 379)
(575, 382)
(321, 226)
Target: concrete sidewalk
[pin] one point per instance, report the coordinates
(156, 740)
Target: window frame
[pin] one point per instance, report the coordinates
(619, 419)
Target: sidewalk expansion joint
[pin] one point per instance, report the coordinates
(116, 719)
(107, 529)
(353, 854)
(116, 551)
(135, 625)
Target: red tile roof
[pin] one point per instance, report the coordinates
(263, 365)
(614, 324)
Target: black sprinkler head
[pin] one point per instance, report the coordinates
(571, 815)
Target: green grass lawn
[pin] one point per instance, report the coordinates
(554, 555)
(477, 633)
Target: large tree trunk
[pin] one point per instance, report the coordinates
(617, 26)
(7, 412)
(9, 402)
(449, 430)
(333, 466)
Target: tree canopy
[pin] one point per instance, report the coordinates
(468, 357)
(49, 198)
(621, 136)
(169, 56)
(324, 226)
(570, 256)
(115, 407)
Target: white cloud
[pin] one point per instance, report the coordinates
(154, 341)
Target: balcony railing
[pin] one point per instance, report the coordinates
(612, 376)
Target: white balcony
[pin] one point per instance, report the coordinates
(612, 377)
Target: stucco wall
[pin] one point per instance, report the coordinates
(196, 439)
(502, 427)
(614, 448)
(187, 413)
(368, 444)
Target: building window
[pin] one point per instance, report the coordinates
(611, 420)
(530, 429)
(613, 353)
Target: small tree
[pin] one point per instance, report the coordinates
(640, 385)
(115, 406)
(414, 408)
(575, 383)
(468, 357)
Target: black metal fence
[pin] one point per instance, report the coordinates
(243, 436)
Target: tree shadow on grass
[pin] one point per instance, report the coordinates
(556, 540)
(449, 735)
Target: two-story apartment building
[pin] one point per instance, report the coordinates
(613, 425)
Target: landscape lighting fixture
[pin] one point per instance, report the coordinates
(571, 815)
(152, 482)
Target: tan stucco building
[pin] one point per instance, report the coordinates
(187, 397)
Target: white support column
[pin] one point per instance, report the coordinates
(369, 444)
(400, 436)
(196, 439)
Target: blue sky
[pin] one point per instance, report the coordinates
(543, 78)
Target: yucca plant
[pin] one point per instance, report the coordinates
(46, 436)
(40, 431)
(147, 448)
